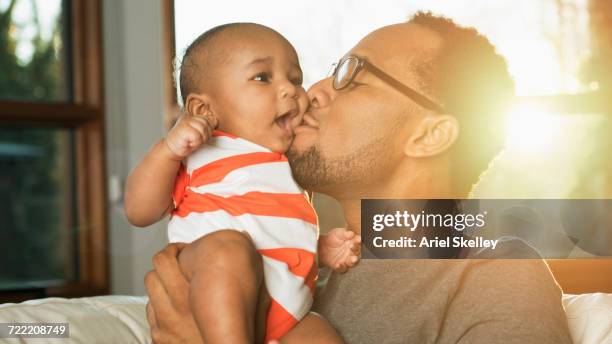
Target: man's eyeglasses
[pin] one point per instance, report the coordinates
(345, 71)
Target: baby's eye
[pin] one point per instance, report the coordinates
(262, 77)
(297, 81)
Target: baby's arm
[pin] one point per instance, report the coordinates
(148, 191)
(339, 249)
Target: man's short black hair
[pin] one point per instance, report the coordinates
(471, 80)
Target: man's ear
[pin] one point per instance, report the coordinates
(197, 104)
(433, 135)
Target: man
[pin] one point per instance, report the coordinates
(412, 111)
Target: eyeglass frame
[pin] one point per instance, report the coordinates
(363, 63)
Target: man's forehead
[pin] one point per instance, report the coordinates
(398, 45)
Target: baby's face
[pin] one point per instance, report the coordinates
(258, 93)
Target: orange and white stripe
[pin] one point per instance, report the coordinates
(236, 184)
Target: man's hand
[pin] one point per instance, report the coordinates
(189, 133)
(168, 311)
(339, 249)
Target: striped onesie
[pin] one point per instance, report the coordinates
(232, 183)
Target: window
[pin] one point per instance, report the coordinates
(52, 189)
(558, 52)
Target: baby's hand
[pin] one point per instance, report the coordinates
(339, 249)
(189, 133)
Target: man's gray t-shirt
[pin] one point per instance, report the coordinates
(446, 301)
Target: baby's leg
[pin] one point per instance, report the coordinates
(227, 290)
(313, 329)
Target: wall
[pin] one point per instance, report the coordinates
(134, 116)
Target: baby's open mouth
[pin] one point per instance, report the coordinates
(284, 121)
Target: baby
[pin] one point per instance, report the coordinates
(241, 86)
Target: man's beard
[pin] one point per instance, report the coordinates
(314, 172)
(308, 168)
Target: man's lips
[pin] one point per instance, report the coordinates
(308, 123)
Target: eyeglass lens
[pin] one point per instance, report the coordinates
(345, 72)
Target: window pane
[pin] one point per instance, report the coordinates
(36, 207)
(34, 63)
(551, 155)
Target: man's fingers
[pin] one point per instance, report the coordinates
(156, 334)
(151, 318)
(169, 254)
(174, 249)
(168, 271)
(158, 337)
(159, 300)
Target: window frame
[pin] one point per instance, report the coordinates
(84, 114)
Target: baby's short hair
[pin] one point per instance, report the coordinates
(190, 66)
(193, 66)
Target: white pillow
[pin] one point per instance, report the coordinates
(100, 319)
(589, 317)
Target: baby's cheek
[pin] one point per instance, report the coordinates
(281, 145)
(303, 104)
(297, 120)
(303, 101)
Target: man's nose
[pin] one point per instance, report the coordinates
(321, 93)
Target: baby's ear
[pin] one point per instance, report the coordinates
(197, 104)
